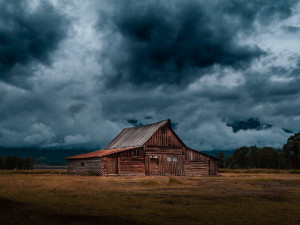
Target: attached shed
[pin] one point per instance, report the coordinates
(152, 150)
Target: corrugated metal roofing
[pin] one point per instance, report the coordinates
(98, 153)
(135, 136)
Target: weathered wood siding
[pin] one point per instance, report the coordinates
(131, 165)
(85, 166)
(213, 167)
(196, 168)
(131, 162)
(164, 165)
(166, 168)
(164, 136)
(206, 165)
(191, 155)
(164, 151)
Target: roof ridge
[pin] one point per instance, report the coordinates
(135, 136)
(149, 124)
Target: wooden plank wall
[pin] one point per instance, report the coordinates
(193, 155)
(213, 167)
(164, 151)
(112, 166)
(89, 166)
(131, 165)
(166, 168)
(164, 137)
(196, 168)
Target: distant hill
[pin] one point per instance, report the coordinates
(42, 156)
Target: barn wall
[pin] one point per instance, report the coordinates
(164, 151)
(196, 168)
(156, 162)
(191, 155)
(164, 137)
(89, 166)
(131, 165)
(194, 160)
(130, 162)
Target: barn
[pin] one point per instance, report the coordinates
(151, 150)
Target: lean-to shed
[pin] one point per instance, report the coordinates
(152, 150)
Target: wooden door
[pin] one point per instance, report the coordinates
(153, 166)
(211, 167)
(112, 166)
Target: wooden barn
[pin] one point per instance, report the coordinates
(151, 150)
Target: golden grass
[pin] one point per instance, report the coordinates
(57, 198)
(227, 170)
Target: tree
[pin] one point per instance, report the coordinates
(229, 163)
(2, 163)
(221, 156)
(240, 157)
(29, 163)
(20, 163)
(291, 151)
(11, 162)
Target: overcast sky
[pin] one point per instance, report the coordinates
(74, 73)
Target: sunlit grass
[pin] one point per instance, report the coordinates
(228, 199)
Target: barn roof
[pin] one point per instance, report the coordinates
(98, 153)
(135, 136)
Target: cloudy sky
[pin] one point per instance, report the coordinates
(74, 73)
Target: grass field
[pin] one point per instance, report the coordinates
(53, 197)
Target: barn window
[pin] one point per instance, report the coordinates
(135, 152)
(169, 159)
(82, 164)
(175, 159)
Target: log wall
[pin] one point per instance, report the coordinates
(85, 166)
(131, 166)
(192, 156)
(196, 168)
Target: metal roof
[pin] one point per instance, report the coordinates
(98, 153)
(135, 136)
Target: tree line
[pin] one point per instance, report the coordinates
(267, 157)
(16, 163)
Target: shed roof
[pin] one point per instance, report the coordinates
(135, 136)
(98, 153)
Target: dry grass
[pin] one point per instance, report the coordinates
(57, 198)
(226, 170)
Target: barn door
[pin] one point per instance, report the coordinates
(153, 166)
(211, 167)
(112, 166)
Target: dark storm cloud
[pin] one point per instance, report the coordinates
(200, 63)
(252, 123)
(152, 42)
(28, 35)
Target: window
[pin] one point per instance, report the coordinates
(174, 159)
(169, 159)
(82, 164)
(135, 152)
